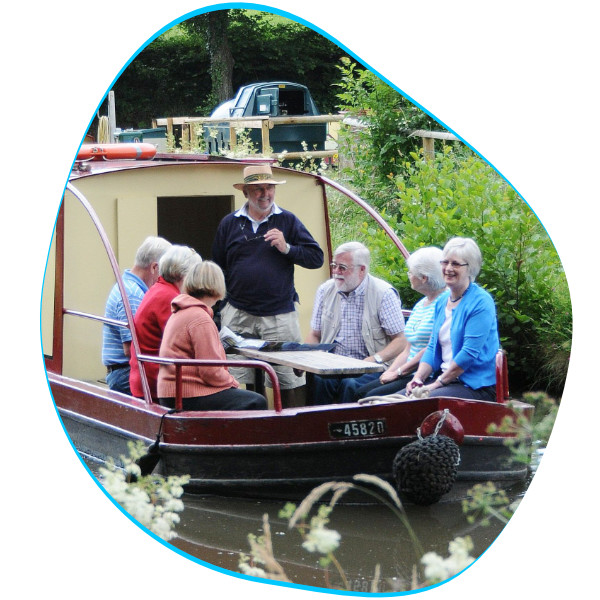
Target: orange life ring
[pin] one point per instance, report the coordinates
(114, 151)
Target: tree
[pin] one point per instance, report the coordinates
(213, 27)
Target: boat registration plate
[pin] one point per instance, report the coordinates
(358, 429)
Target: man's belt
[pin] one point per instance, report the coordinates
(116, 367)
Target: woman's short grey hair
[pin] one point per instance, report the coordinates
(425, 262)
(466, 250)
(150, 251)
(360, 253)
(176, 262)
(205, 280)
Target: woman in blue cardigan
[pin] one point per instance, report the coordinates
(460, 359)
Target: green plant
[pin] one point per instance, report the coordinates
(152, 500)
(458, 194)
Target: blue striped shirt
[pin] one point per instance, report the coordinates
(419, 326)
(114, 337)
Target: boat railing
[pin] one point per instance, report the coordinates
(179, 363)
(106, 320)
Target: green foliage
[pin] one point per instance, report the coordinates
(378, 149)
(458, 194)
(526, 432)
(171, 76)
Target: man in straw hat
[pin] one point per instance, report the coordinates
(257, 247)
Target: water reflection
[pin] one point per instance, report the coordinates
(216, 529)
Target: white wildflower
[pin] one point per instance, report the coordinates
(439, 569)
(320, 539)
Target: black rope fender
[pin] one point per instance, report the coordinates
(425, 470)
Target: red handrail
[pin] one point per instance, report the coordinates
(184, 362)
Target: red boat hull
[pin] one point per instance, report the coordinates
(264, 453)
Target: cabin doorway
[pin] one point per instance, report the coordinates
(192, 220)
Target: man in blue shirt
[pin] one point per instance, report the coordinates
(116, 340)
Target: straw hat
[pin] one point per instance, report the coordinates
(256, 175)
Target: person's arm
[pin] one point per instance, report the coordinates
(395, 346)
(314, 337)
(127, 349)
(448, 376)
(304, 251)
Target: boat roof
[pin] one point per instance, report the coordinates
(85, 168)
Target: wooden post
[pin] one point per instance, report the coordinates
(266, 142)
(232, 137)
(428, 148)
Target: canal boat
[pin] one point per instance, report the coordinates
(109, 206)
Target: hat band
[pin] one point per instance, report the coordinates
(257, 177)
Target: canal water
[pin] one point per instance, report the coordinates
(215, 530)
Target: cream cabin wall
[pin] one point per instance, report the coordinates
(126, 203)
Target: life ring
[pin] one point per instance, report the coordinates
(138, 151)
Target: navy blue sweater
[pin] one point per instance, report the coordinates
(259, 278)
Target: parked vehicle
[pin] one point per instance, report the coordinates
(271, 99)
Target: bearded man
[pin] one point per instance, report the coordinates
(361, 315)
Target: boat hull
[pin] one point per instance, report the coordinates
(276, 455)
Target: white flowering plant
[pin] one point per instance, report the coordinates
(152, 500)
(438, 569)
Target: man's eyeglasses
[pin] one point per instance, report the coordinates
(250, 239)
(453, 264)
(340, 268)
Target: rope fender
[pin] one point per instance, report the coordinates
(426, 469)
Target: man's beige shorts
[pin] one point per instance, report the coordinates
(277, 328)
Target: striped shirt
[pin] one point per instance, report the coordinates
(419, 326)
(350, 341)
(114, 337)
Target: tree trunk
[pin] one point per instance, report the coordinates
(221, 58)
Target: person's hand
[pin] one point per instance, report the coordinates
(388, 376)
(277, 240)
(414, 383)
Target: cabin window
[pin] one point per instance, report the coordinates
(192, 220)
(291, 102)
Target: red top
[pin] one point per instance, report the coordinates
(150, 320)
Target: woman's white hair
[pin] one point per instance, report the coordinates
(425, 262)
(466, 250)
(176, 262)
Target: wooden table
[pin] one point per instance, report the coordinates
(313, 362)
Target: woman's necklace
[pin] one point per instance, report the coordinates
(457, 299)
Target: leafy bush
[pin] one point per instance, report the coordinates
(456, 193)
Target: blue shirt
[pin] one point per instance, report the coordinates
(114, 337)
(474, 337)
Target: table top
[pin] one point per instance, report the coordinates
(314, 361)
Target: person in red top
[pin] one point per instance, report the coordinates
(154, 311)
(192, 333)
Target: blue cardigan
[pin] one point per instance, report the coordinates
(474, 336)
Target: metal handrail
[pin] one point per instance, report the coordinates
(185, 362)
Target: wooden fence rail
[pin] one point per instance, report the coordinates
(266, 123)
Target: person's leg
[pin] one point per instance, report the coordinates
(375, 388)
(326, 390)
(458, 390)
(118, 380)
(350, 385)
(231, 399)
